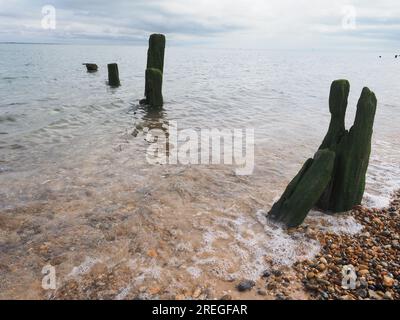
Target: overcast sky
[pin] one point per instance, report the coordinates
(276, 24)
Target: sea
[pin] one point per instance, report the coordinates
(75, 173)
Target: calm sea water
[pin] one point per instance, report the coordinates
(53, 114)
(75, 183)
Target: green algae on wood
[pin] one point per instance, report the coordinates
(154, 79)
(345, 186)
(353, 150)
(154, 71)
(113, 75)
(304, 190)
(155, 53)
(338, 98)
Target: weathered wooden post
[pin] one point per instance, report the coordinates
(154, 87)
(304, 190)
(90, 67)
(352, 148)
(113, 75)
(156, 51)
(154, 71)
(334, 180)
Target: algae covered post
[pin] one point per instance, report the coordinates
(154, 71)
(113, 75)
(352, 148)
(154, 79)
(304, 190)
(334, 181)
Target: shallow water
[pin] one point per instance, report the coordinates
(73, 171)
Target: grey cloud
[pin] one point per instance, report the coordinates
(258, 23)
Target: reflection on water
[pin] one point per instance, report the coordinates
(77, 189)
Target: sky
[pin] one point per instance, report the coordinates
(264, 24)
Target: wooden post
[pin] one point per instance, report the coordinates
(334, 180)
(154, 79)
(113, 75)
(353, 149)
(304, 190)
(91, 67)
(154, 71)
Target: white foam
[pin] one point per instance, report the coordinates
(248, 242)
(283, 248)
(194, 271)
(237, 245)
(342, 223)
(383, 176)
(151, 271)
(377, 201)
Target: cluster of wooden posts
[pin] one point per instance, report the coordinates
(333, 180)
(154, 72)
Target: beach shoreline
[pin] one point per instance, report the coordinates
(373, 252)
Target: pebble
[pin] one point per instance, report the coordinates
(152, 253)
(311, 286)
(388, 296)
(262, 292)
(277, 273)
(324, 295)
(266, 274)
(245, 285)
(374, 295)
(363, 293)
(388, 281)
(373, 253)
(363, 272)
(321, 267)
(196, 293)
(154, 290)
(280, 296)
(271, 286)
(363, 283)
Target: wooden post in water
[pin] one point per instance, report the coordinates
(91, 67)
(154, 87)
(352, 148)
(304, 190)
(113, 75)
(154, 71)
(334, 180)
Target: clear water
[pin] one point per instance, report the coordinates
(53, 114)
(69, 160)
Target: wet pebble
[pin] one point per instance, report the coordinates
(245, 285)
